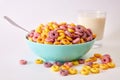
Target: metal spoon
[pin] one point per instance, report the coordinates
(15, 24)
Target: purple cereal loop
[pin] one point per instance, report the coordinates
(58, 63)
(64, 72)
(49, 40)
(48, 64)
(89, 63)
(68, 33)
(53, 34)
(34, 38)
(63, 27)
(107, 55)
(71, 27)
(81, 61)
(88, 32)
(78, 33)
(89, 38)
(36, 34)
(78, 28)
(84, 35)
(76, 40)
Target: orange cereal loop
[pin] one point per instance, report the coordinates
(40, 40)
(97, 55)
(95, 65)
(69, 38)
(82, 40)
(64, 67)
(93, 59)
(94, 36)
(111, 65)
(104, 66)
(57, 43)
(51, 28)
(88, 60)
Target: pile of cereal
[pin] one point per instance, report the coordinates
(60, 34)
(91, 65)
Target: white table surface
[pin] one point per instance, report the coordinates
(13, 46)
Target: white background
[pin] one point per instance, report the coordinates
(30, 13)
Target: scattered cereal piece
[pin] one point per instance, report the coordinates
(38, 61)
(23, 62)
(48, 64)
(64, 72)
(72, 71)
(111, 65)
(55, 68)
(84, 71)
(95, 70)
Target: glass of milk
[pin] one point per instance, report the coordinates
(95, 20)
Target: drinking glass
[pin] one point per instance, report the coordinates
(95, 20)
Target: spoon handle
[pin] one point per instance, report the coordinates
(15, 24)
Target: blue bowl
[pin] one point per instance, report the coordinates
(61, 53)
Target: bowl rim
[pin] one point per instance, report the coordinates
(62, 45)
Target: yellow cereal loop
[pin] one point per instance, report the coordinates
(70, 30)
(39, 61)
(50, 24)
(95, 70)
(57, 43)
(40, 40)
(111, 65)
(65, 41)
(86, 67)
(84, 71)
(62, 35)
(75, 62)
(38, 30)
(55, 26)
(73, 71)
(55, 68)
(47, 29)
